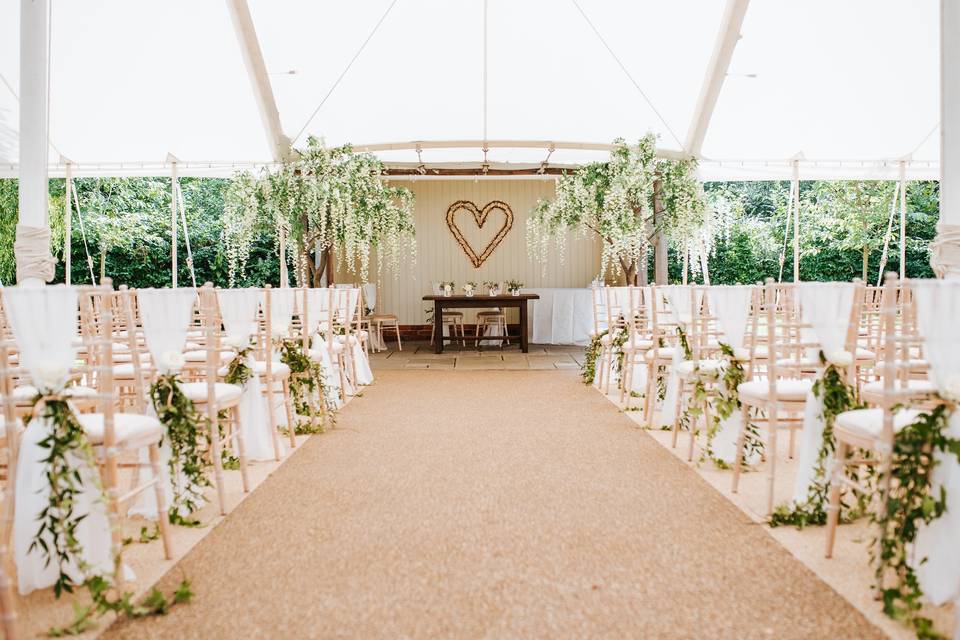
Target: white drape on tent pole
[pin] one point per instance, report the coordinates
(945, 249)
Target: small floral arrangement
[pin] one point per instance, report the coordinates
(493, 288)
(468, 288)
(514, 286)
(447, 288)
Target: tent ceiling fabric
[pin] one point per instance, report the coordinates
(853, 86)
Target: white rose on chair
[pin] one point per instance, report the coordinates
(171, 361)
(950, 390)
(280, 331)
(52, 376)
(839, 358)
(236, 342)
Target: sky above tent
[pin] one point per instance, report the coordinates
(852, 86)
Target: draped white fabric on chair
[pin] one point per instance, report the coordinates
(166, 315)
(678, 299)
(282, 303)
(346, 308)
(938, 307)
(731, 306)
(826, 306)
(44, 324)
(318, 313)
(238, 310)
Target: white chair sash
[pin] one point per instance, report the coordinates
(166, 315)
(44, 324)
(238, 310)
(938, 307)
(826, 306)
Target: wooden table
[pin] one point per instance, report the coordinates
(442, 302)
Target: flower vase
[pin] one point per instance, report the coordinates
(469, 294)
(515, 293)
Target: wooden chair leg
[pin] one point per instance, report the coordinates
(676, 413)
(216, 451)
(738, 454)
(396, 327)
(648, 395)
(625, 384)
(772, 429)
(159, 482)
(288, 407)
(272, 418)
(833, 501)
(241, 448)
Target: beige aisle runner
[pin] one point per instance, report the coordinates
(496, 504)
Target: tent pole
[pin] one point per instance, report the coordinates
(67, 224)
(796, 221)
(903, 219)
(945, 249)
(173, 224)
(284, 281)
(34, 262)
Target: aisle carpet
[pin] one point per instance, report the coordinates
(494, 504)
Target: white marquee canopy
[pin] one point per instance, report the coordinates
(851, 88)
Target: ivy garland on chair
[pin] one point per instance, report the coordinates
(185, 429)
(588, 370)
(838, 396)
(911, 501)
(58, 521)
(725, 404)
(308, 389)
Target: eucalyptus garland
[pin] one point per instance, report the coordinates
(186, 430)
(238, 372)
(308, 388)
(837, 396)
(911, 501)
(726, 403)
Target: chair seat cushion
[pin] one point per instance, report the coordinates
(637, 344)
(132, 429)
(225, 393)
(124, 371)
(27, 392)
(870, 421)
(918, 385)
(663, 353)
(226, 355)
(685, 368)
(788, 390)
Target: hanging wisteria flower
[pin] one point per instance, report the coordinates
(950, 390)
(52, 376)
(741, 355)
(839, 358)
(172, 361)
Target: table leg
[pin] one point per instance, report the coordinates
(523, 326)
(437, 326)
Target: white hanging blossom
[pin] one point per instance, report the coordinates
(330, 199)
(615, 200)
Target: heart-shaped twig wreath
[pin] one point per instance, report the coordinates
(480, 217)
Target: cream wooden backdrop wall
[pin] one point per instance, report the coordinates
(439, 256)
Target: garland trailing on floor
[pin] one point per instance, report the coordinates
(308, 388)
(588, 370)
(67, 440)
(838, 396)
(185, 429)
(911, 500)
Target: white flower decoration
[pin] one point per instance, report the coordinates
(950, 389)
(840, 358)
(280, 330)
(238, 342)
(741, 355)
(52, 376)
(172, 361)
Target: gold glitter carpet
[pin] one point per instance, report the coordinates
(494, 504)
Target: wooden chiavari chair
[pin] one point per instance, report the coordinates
(659, 358)
(275, 375)
(869, 433)
(638, 342)
(781, 399)
(9, 432)
(113, 434)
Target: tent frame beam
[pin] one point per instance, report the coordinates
(246, 34)
(723, 48)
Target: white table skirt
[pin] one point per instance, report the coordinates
(561, 316)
